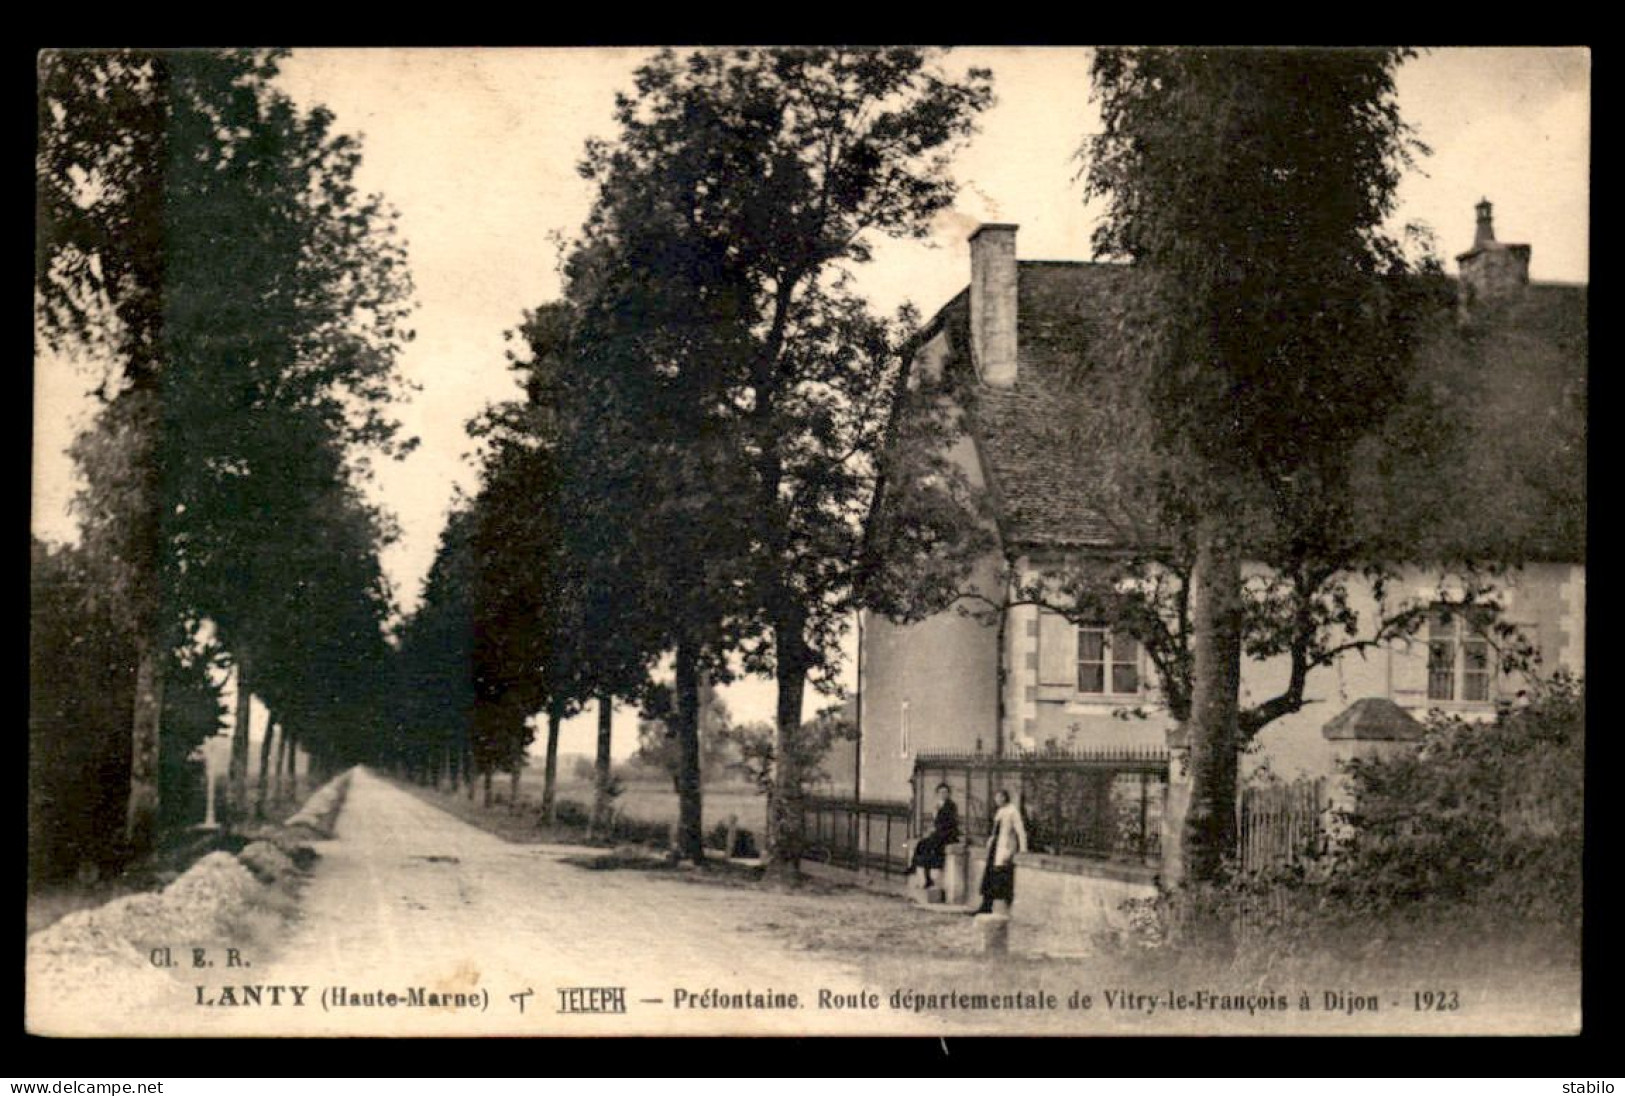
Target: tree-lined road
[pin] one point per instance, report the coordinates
(407, 897)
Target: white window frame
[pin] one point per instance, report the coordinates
(1452, 645)
(1108, 664)
(902, 725)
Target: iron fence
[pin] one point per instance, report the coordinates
(863, 836)
(1103, 803)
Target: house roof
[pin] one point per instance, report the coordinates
(1040, 482)
(1023, 432)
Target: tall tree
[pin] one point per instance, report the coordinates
(205, 237)
(1250, 189)
(596, 639)
(653, 446)
(743, 187)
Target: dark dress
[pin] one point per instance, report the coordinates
(998, 882)
(929, 850)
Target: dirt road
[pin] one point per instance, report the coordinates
(468, 934)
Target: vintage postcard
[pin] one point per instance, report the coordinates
(985, 541)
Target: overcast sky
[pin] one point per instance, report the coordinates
(478, 151)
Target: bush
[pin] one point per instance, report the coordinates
(1486, 813)
(81, 693)
(1475, 837)
(638, 831)
(744, 841)
(567, 812)
(570, 814)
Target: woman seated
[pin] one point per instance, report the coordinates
(930, 850)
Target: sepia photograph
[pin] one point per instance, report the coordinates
(808, 541)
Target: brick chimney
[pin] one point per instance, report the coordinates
(993, 303)
(1491, 272)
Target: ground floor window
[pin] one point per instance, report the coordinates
(1108, 661)
(1459, 666)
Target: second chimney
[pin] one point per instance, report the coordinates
(993, 303)
(1491, 271)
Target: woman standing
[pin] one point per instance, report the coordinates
(1009, 837)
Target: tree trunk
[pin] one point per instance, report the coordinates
(513, 787)
(141, 815)
(690, 829)
(237, 781)
(279, 764)
(600, 798)
(264, 790)
(1216, 631)
(550, 770)
(293, 763)
(784, 801)
(485, 800)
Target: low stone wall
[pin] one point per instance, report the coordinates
(1064, 903)
(975, 861)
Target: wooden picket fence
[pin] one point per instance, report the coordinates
(1276, 826)
(1281, 824)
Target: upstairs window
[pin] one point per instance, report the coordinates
(1108, 662)
(1459, 666)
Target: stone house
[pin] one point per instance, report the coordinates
(1026, 678)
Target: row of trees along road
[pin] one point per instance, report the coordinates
(202, 236)
(700, 437)
(730, 389)
(532, 605)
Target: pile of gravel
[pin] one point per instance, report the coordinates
(321, 811)
(220, 900)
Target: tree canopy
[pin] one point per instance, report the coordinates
(713, 287)
(1270, 327)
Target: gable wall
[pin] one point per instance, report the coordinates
(944, 669)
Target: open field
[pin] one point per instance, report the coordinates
(652, 802)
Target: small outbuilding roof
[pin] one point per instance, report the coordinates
(1373, 719)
